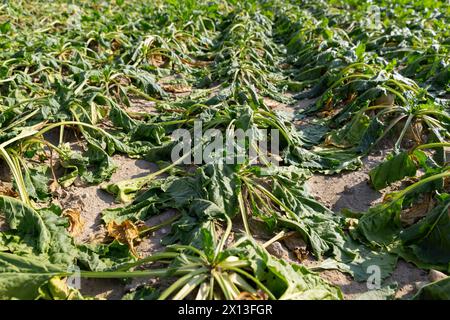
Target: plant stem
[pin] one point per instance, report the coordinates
(243, 212)
(280, 235)
(432, 145)
(416, 185)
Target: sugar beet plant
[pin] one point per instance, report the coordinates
(83, 81)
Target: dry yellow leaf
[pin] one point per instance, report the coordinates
(157, 60)
(301, 253)
(126, 232)
(76, 222)
(259, 295)
(176, 88)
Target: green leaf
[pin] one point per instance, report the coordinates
(439, 290)
(5, 27)
(351, 134)
(21, 277)
(285, 280)
(142, 293)
(427, 242)
(220, 184)
(385, 293)
(101, 257)
(323, 160)
(37, 180)
(380, 225)
(27, 221)
(397, 167)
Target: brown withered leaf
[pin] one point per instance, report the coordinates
(447, 183)
(123, 80)
(352, 96)
(115, 45)
(259, 295)
(330, 141)
(76, 222)
(196, 63)
(157, 60)
(176, 88)
(329, 104)
(126, 232)
(54, 186)
(301, 253)
(419, 210)
(3, 224)
(8, 191)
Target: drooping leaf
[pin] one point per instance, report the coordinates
(27, 221)
(397, 167)
(427, 242)
(21, 277)
(439, 290)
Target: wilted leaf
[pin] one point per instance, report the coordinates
(259, 295)
(176, 88)
(439, 290)
(7, 191)
(384, 293)
(417, 211)
(402, 165)
(125, 232)
(76, 223)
